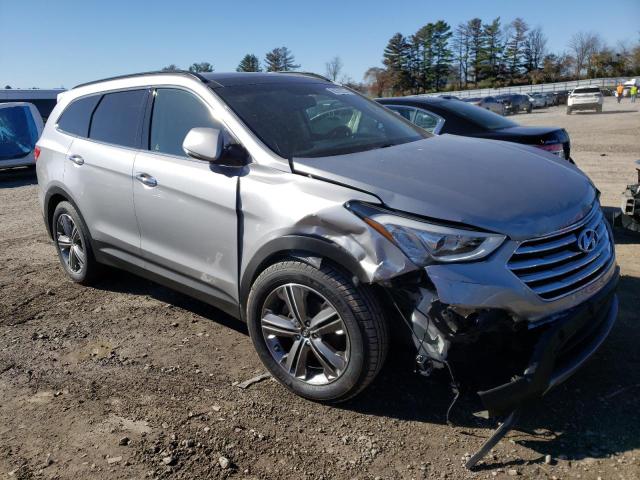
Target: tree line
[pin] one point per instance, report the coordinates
(474, 54)
(478, 54)
(280, 59)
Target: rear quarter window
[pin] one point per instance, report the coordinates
(117, 118)
(76, 117)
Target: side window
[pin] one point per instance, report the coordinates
(76, 117)
(426, 120)
(175, 112)
(117, 118)
(406, 112)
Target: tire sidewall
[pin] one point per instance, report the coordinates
(317, 280)
(62, 208)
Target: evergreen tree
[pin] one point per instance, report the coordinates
(249, 63)
(421, 58)
(396, 59)
(280, 60)
(476, 47)
(202, 67)
(442, 54)
(493, 49)
(514, 48)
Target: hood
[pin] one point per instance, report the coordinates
(496, 186)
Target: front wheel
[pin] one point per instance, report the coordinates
(568, 110)
(316, 332)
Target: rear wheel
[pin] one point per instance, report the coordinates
(318, 334)
(568, 110)
(73, 244)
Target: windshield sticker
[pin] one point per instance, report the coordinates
(340, 91)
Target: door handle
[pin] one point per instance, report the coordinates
(77, 159)
(146, 179)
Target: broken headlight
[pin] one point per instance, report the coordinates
(425, 242)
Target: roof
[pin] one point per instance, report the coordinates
(221, 79)
(416, 99)
(251, 78)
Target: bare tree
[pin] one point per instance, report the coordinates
(584, 45)
(535, 49)
(333, 68)
(378, 81)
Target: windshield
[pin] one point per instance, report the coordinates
(18, 132)
(480, 116)
(316, 119)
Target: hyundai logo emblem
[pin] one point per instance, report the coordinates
(588, 240)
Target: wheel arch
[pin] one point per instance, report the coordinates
(298, 246)
(56, 194)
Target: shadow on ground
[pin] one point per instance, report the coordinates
(17, 177)
(594, 414)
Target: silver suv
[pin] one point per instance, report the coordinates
(325, 221)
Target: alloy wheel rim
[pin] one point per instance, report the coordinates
(70, 243)
(305, 334)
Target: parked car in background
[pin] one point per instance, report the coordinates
(561, 97)
(515, 103)
(20, 128)
(462, 118)
(551, 99)
(585, 98)
(538, 100)
(489, 103)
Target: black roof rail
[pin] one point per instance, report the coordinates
(308, 74)
(142, 74)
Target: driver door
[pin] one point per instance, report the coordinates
(186, 208)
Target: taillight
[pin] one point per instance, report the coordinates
(555, 148)
(36, 153)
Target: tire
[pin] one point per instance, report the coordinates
(361, 340)
(599, 109)
(73, 244)
(568, 110)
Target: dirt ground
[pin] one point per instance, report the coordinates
(131, 380)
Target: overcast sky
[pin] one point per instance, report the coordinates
(65, 42)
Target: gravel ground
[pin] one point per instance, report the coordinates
(131, 380)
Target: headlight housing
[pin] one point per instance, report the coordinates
(424, 242)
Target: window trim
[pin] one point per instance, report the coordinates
(440, 121)
(137, 142)
(101, 94)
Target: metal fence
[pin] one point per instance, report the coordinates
(541, 87)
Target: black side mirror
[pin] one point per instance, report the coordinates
(233, 155)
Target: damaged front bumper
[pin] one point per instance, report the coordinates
(540, 353)
(562, 348)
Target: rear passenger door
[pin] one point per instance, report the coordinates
(186, 208)
(99, 168)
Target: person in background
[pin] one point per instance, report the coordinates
(633, 92)
(619, 92)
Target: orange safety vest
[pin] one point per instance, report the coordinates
(620, 89)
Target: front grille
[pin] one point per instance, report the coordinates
(554, 265)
